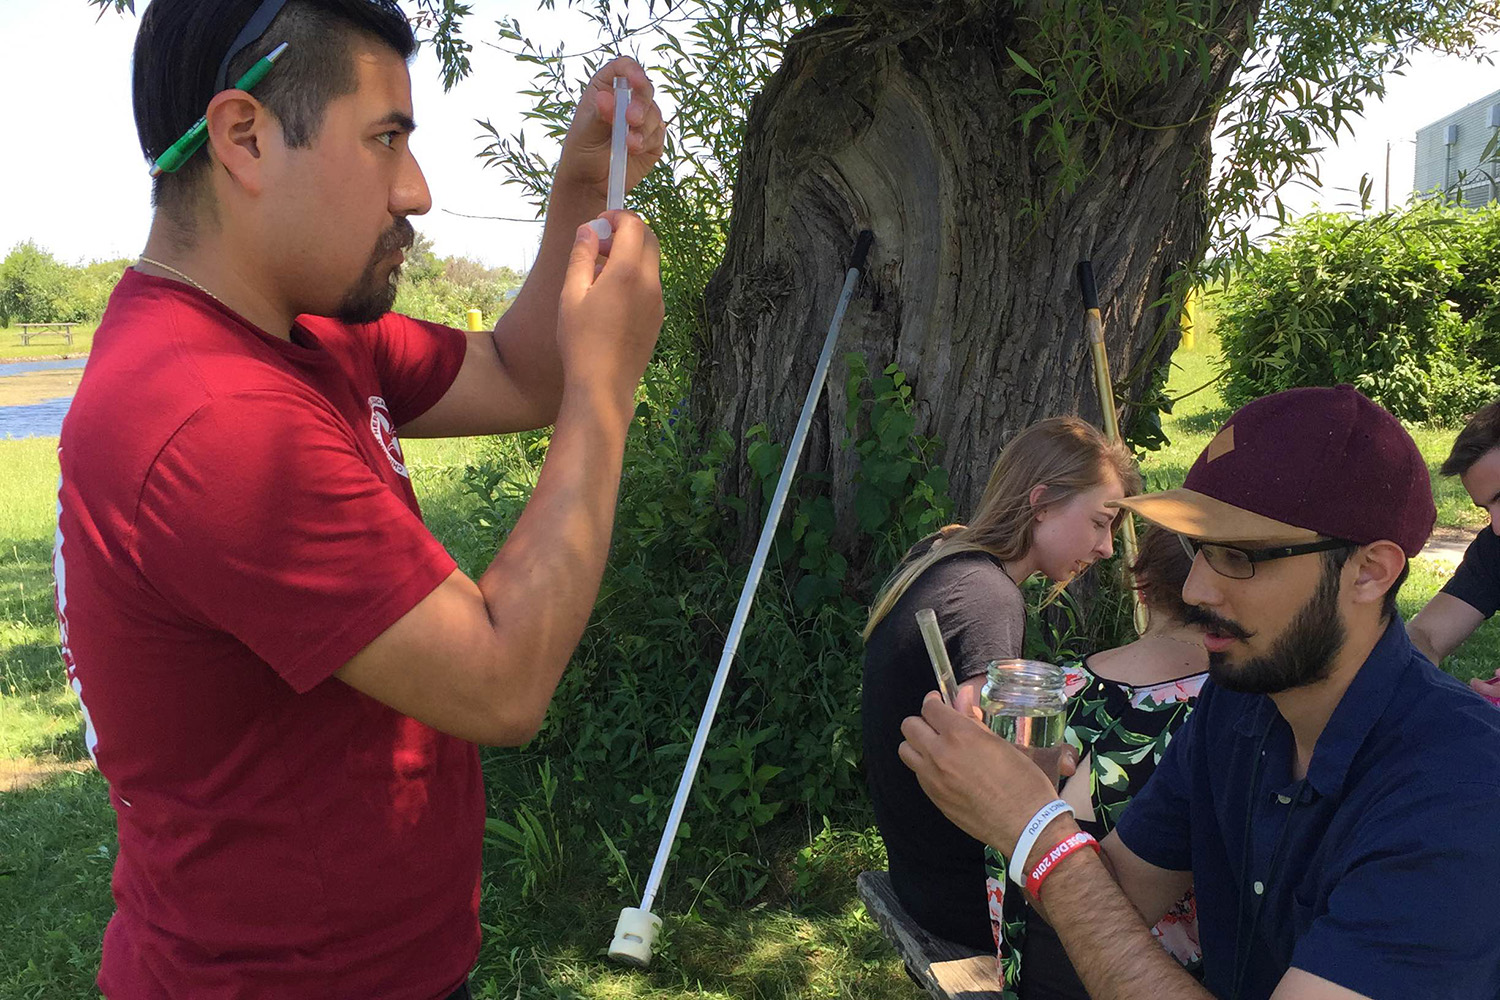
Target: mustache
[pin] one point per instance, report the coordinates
(1215, 623)
(400, 236)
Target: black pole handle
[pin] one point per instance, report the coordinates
(1086, 279)
(861, 250)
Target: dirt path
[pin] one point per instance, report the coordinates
(18, 774)
(38, 357)
(1447, 545)
(34, 387)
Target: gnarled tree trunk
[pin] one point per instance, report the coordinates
(913, 134)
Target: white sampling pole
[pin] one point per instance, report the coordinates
(636, 930)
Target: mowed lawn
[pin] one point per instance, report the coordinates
(57, 838)
(50, 346)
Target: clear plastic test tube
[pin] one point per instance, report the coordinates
(617, 153)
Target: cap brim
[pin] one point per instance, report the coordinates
(1188, 512)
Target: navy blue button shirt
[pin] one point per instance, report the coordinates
(1379, 871)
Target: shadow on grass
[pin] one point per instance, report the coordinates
(59, 850)
(1204, 422)
(553, 947)
(39, 715)
(26, 578)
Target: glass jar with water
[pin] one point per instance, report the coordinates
(1023, 702)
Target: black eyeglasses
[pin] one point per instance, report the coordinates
(1238, 563)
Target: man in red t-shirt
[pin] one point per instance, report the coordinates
(283, 674)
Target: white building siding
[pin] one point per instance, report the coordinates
(1440, 165)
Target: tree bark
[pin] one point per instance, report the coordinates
(905, 122)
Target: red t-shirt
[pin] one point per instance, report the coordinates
(235, 522)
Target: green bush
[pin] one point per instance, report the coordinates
(787, 735)
(1401, 305)
(36, 287)
(443, 290)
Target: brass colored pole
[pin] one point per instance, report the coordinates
(1093, 324)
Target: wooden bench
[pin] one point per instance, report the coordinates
(946, 970)
(29, 330)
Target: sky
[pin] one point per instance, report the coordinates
(80, 188)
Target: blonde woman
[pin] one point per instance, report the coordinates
(1043, 511)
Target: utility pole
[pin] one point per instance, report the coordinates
(1388, 175)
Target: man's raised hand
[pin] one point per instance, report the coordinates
(986, 786)
(585, 153)
(610, 315)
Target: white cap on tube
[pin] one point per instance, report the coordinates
(635, 936)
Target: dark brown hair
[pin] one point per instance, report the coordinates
(180, 43)
(1161, 568)
(1479, 435)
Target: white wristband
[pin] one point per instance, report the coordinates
(1029, 835)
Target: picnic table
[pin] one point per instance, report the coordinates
(29, 330)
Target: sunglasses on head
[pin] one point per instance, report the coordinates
(260, 22)
(1238, 562)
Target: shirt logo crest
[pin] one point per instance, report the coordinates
(384, 429)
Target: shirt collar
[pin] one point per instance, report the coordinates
(1363, 704)
(1355, 716)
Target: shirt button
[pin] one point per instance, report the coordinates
(1283, 799)
(1260, 888)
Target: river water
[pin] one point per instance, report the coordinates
(39, 419)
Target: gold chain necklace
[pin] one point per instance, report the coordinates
(168, 267)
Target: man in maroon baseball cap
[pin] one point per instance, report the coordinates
(1292, 474)
(1334, 800)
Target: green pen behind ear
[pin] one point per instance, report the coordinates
(183, 149)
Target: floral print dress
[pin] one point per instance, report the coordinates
(1123, 731)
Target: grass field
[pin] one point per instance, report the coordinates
(57, 838)
(11, 348)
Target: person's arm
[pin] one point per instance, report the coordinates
(1151, 890)
(512, 377)
(1113, 951)
(1442, 626)
(480, 660)
(991, 789)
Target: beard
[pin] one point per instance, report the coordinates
(1303, 654)
(371, 297)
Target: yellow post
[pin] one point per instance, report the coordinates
(476, 320)
(1093, 324)
(1189, 323)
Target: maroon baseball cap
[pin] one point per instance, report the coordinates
(1298, 465)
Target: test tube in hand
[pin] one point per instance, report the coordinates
(617, 157)
(937, 651)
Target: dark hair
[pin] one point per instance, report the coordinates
(1161, 568)
(1333, 563)
(1479, 435)
(181, 42)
